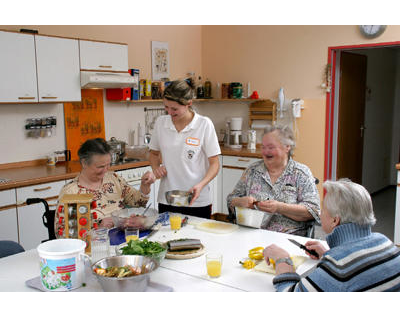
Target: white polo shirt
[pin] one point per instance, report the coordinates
(185, 154)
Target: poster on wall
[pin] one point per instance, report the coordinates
(159, 60)
(84, 120)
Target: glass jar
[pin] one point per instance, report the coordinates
(225, 91)
(237, 90)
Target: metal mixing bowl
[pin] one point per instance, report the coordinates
(121, 218)
(137, 283)
(178, 198)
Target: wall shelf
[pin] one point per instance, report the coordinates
(194, 100)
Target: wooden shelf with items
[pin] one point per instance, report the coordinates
(194, 100)
(262, 110)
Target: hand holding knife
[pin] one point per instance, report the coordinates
(311, 252)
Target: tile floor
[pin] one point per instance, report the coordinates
(384, 203)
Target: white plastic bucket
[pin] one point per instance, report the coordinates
(62, 264)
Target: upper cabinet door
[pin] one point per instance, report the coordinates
(18, 68)
(58, 69)
(103, 56)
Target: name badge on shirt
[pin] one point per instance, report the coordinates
(193, 141)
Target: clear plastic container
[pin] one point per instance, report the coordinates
(100, 244)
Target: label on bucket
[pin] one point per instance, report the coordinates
(58, 274)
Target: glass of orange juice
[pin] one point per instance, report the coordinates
(131, 234)
(175, 222)
(214, 265)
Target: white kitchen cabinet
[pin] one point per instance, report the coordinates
(18, 68)
(8, 216)
(232, 169)
(31, 229)
(103, 56)
(58, 69)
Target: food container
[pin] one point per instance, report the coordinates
(137, 283)
(249, 217)
(178, 198)
(62, 264)
(132, 217)
(159, 257)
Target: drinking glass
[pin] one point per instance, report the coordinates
(131, 234)
(214, 264)
(175, 222)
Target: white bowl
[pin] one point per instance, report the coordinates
(250, 217)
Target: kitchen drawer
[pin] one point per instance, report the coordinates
(240, 162)
(42, 191)
(7, 197)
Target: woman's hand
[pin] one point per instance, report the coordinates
(147, 179)
(160, 172)
(244, 201)
(196, 190)
(317, 246)
(270, 206)
(274, 252)
(107, 222)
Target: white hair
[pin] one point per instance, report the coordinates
(285, 135)
(349, 201)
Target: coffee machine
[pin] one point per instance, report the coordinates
(235, 138)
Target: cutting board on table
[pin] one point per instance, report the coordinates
(217, 227)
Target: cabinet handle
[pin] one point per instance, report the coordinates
(49, 97)
(244, 160)
(26, 98)
(102, 66)
(42, 189)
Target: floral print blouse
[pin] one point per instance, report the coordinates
(114, 194)
(296, 185)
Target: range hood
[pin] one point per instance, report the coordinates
(90, 79)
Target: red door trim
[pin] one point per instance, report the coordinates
(329, 116)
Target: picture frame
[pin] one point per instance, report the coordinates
(159, 60)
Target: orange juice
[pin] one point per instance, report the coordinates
(214, 268)
(175, 222)
(131, 237)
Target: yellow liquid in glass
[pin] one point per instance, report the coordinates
(214, 268)
(175, 222)
(131, 237)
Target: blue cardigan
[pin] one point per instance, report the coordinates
(358, 260)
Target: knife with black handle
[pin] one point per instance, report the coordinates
(311, 252)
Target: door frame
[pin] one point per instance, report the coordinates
(332, 103)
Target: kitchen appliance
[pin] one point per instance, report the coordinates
(251, 139)
(236, 133)
(117, 150)
(90, 79)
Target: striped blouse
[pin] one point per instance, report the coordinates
(358, 261)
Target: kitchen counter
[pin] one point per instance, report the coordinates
(41, 173)
(243, 152)
(22, 175)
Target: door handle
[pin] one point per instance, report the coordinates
(244, 160)
(103, 66)
(362, 128)
(42, 189)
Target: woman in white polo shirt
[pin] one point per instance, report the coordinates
(184, 151)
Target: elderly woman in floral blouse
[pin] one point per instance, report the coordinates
(278, 185)
(110, 191)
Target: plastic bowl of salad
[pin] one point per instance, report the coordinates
(145, 247)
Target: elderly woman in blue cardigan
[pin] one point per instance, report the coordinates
(358, 259)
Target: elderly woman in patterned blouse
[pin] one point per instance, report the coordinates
(110, 191)
(278, 185)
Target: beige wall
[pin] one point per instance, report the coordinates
(293, 57)
(268, 57)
